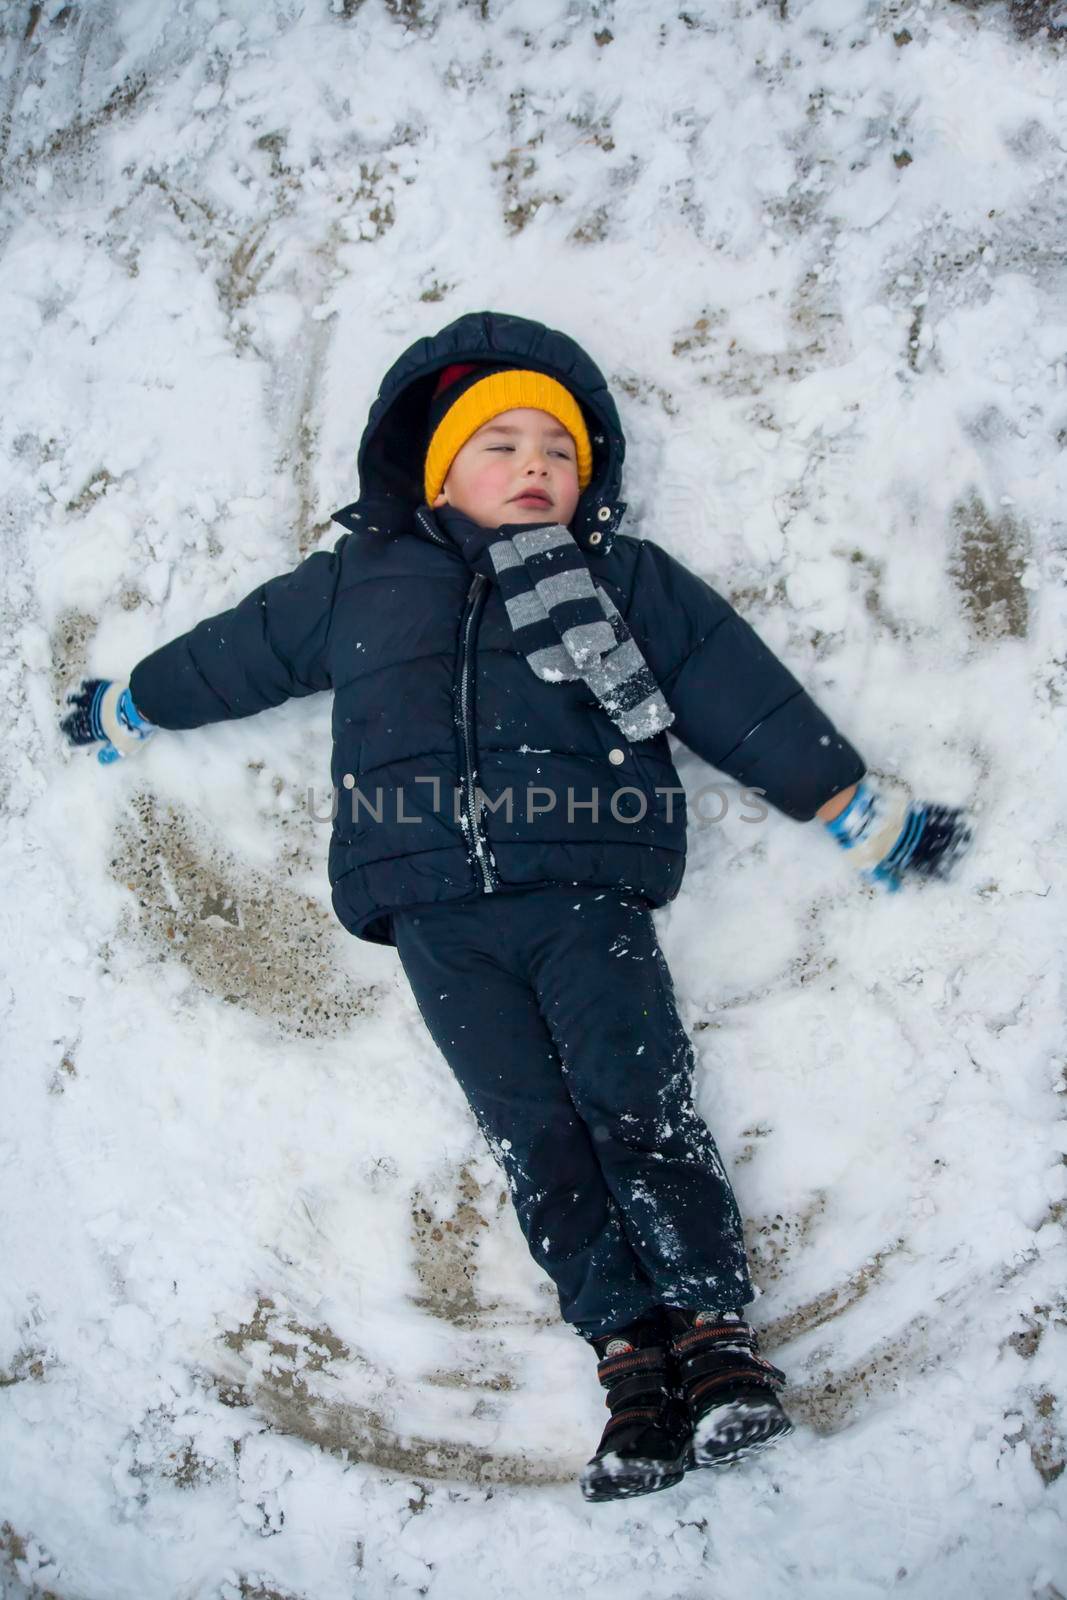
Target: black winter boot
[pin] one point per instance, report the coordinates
(728, 1388)
(645, 1444)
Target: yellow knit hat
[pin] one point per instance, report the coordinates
(485, 399)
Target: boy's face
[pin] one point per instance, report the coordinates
(520, 467)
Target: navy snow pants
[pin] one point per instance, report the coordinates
(555, 1009)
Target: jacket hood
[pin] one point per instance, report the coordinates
(393, 445)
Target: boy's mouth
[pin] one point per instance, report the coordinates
(533, 497)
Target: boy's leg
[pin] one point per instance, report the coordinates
(464, 971)
(607, 995)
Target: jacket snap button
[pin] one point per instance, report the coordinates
(616, 757)
(594, 537)
(603, 514)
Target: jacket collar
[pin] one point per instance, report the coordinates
(387, 515)
(466, 536)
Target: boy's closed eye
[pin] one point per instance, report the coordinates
(564, 453)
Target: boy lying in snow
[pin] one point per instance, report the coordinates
(486, 632)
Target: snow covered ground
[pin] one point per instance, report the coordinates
(268, 1329)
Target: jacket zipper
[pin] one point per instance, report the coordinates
(466, 673)
(432, 532)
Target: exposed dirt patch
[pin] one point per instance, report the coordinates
(698, 338)
(759, 1130)
(594, 130)
(160, 1454)
(95, 485)
(27, 1564)
(288, 1392)
(522, 200)
(301, 457)
(413, 15)
(644, 390)
(806, 966)
(78, 137)
(986, 565)
(815, 311)
(34, 449)
(279, 1366)
(295, 1351)
(360, 1434)
(1041, 1423)
(436, 291)
(772, 1241)
(947, 267)
(1039, 20)
(593, 229)
(244, 937)
(11, 1543)
(238, 259)
(64, 1073)
(831, 1302)
(1043, 1432)
(286, 178)
(246, 267)
(800, 211)
(69, 651)
(28, 1366)
(867, 575)
(253, 1586)
(830, 1399)
(1027, 1341)
(752, 595)
(446, 1248)
(732, 369)
(498, 1382)
(372, 211)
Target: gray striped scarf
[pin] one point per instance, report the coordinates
(567, 626)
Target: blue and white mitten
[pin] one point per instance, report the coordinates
(104, 711)
(893, 836)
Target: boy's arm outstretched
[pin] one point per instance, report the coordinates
(738, 707)
(268, 648)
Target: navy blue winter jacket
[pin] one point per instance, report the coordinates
(437, 717)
